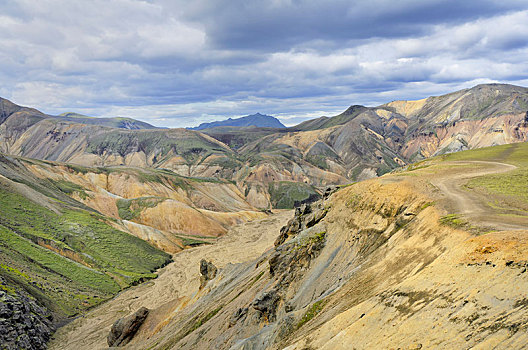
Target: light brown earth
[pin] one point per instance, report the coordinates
(181, 207)
(177, 283)
(391, 275)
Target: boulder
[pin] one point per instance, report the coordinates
(124, 329)
(267, 303)
(207, 271)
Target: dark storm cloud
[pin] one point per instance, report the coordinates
(279, 25)
(176, 63)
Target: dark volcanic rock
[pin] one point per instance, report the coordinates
(124, 329)
(23, 323)
(239, 315)
(207, 271)
(305, 216)
(329, 191)
(267, 304)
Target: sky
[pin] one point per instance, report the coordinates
(178, 63)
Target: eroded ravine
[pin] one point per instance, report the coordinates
(178, 280)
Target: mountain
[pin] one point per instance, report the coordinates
(257, 120)
(360, 143)
(116, 122)
(30, 133)
(414, 259)
(88, 210)
(8, 108)
(367, 141)
(58, 256)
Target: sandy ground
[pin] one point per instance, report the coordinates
(179, 279)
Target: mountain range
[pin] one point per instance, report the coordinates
(360, 143)
(92, 206)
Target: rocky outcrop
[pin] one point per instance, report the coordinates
(24, 324)
(305, 216)
(267, 304)
(207, 272)
(124, 329)
(290, 260)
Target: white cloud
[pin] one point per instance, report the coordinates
(179, 63)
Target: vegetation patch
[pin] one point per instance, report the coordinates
(192, 242)
(70, 260)
(312, 240)
(512, 184)
(286, 194)
(317, 160)
(454, 220)
(458, 222)
(204, 319)
(70, 188)
(200, 322)
(515, 153)
(190, 146)
(129, 209)
(426, 205)
(312, 311)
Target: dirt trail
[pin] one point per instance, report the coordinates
(470, 204)
(179, 279)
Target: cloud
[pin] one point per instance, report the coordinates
(178, 63)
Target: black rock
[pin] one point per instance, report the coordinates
(207, 271)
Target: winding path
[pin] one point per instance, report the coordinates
(471, 204)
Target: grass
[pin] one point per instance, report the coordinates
(458, 222)
(313, 239)
(254, 280)
(129, 209)
(67, 268)
(204, 319)
(74, 257)
(515, 153)
(192, 242)
(512, 184)
(454, 220)
(312, 311)
(197, 324)
(317, 160)
(70, 188)
(509, 188)
(286, 194)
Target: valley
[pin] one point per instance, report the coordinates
(404, 213)
(394, 261)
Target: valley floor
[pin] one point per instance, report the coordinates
(179, 279)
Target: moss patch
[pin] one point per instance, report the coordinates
(129, 209)
(312, 311)
(73, 259)
(286, 194)
(70, 188)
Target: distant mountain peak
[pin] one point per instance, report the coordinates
(257, 119)
(74, 115)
